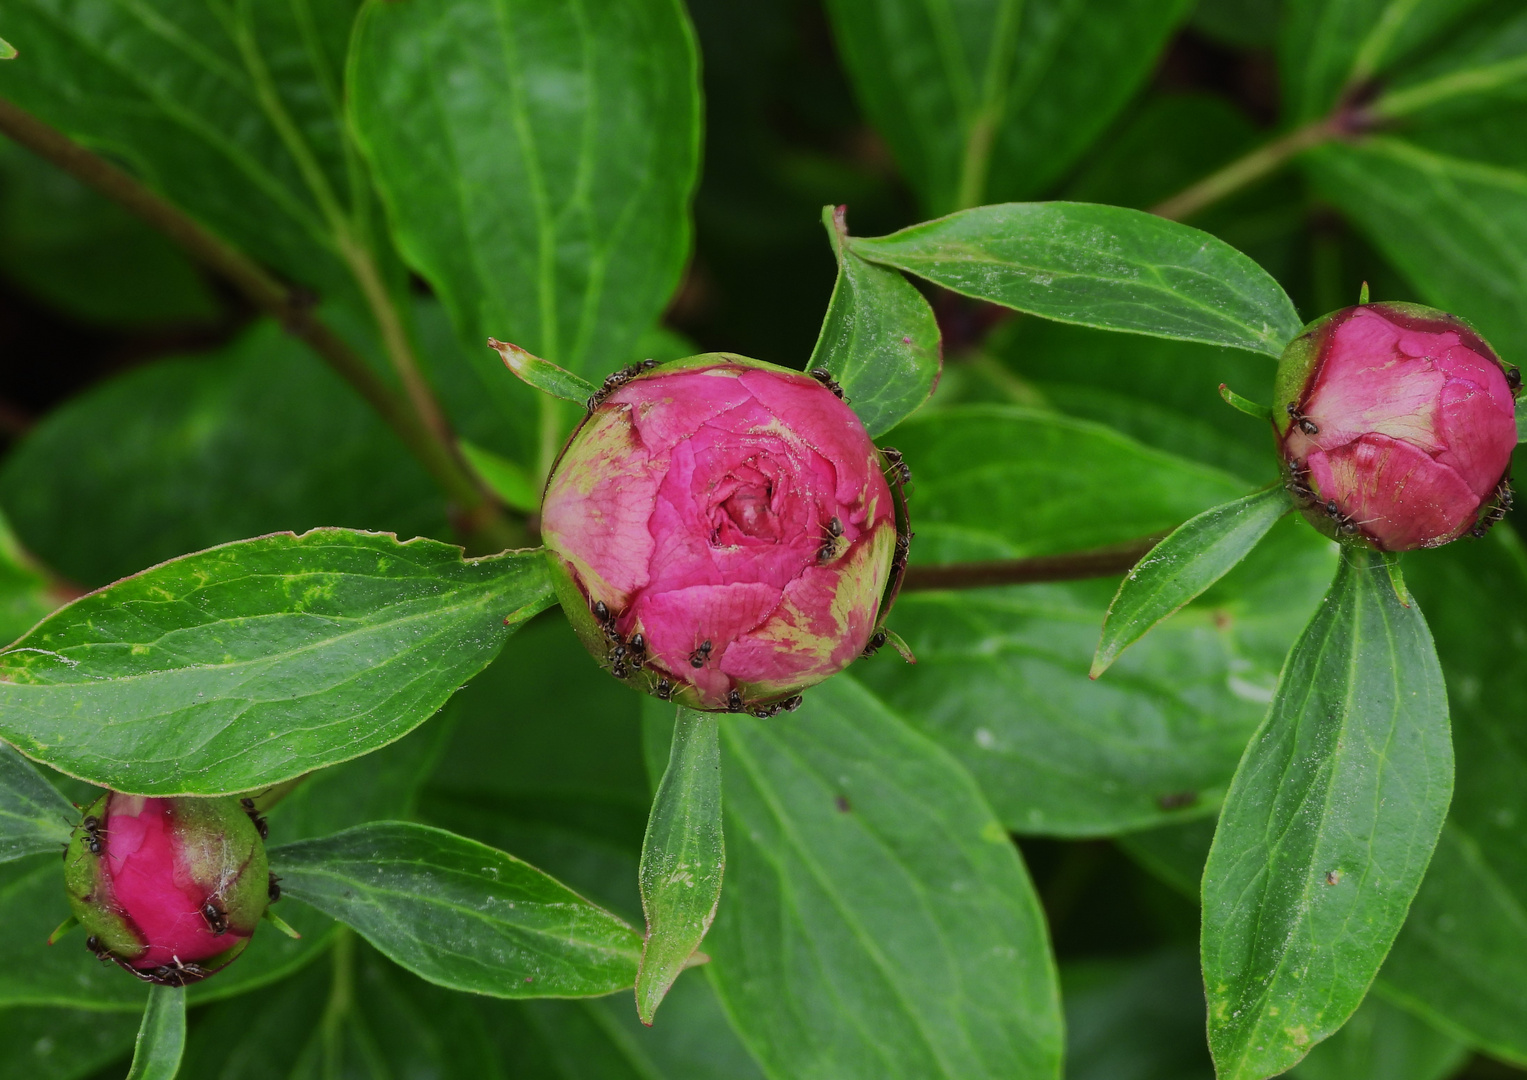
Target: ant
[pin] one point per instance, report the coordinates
(175, 973)
(823, 376)
(764, 712)
(734, 701)
(1513, 379)
(833, 531)
(616, 380)
(895, 464)
(1306, 425)
(1298, 482)
(93, 834)
(216, 918)
(273, 890)
(1344, 522)
(698, 658)
(637, 652)
(664, 690)
(876, 642)
(1503, 500)
(100, 951)
(256, 817)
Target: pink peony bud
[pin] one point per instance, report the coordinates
(171, 889)
(1397, 422)
(721, 532)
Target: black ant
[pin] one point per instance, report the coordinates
(616, 380)
(256, 817)
(832, 531)
(1502, 503)
(664, 690)
(273, 890)
(876, 642)
(174, 973)
(764, 712)
(823, 376)
(1298, 482)
(637, 652)
(1306, 425)
(216, 918)
(698, 658)
(1344, 522)
(1513, 379)
(93, 834)
(734, 701)
(895, 465)
(100, 951)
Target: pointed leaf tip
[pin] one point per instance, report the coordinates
(543, 375)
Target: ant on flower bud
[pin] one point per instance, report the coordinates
(664, 690)
(1344, 522)
(255, 816)
(734, 701)
(272, 889)
(698, 658)
(823, 376)
(216, 918)
(93, 834)
(1306, 425)
(876, 642)
(895, 465)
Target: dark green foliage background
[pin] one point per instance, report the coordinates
(148, 412)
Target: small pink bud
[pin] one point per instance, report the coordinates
(171, 889)
(721, 532)
(1397, 422)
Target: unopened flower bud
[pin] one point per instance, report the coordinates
(171, 889)
(721, 532)
(1397, 424)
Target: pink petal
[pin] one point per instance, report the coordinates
(1479, 435)
(677, 621)
(1394, 492)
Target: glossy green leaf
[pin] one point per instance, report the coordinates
(879, 340)
(993, 481)
(1382, 1042)
(239, 667)
(1327, 828)
(683, 857)
(186, 453)
(1100, 266)
(85, 256)
(554, 212)
(508, 479)
(62, 1044)
(162, 1038)
(459, 913)
(867, 875)
(1001, 683)
(232, 112)
(994, 99)
(1461, 959)
(34, 817)
(1199, 553)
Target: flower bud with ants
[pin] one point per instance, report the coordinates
(723, 533)
(169, 888)
(1396, 423)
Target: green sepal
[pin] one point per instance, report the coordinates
(1245, 405)
(543, 375)
(281, 924)
(63, 928)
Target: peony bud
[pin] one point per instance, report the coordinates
(171, 889)
(721, 532)
(1397, 422)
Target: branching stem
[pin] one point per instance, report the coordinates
(1247, 170)
(478, 515)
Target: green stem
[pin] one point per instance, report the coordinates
(341, 1001)
(1247, 170)
(1480, 80)
(1072, 566)
(483, 520)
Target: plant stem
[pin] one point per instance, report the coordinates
(1073, 566)
(1480, 80)
(1246, 170)
(479, 515)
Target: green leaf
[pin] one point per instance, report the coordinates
(995, 99)
(1182, 566)
(26, 593)
(460, 914)
(555, 212)
(1331, 46)
(508, 479)
(1001, 683)
(87, 257)
(1327, 828)
(879, 339)
(1100, 266)
(62, 1044)
(239, 667)
(162, 1038)
(187, 453)
(1382, 1042)
(1461, 959)
(34, 817)
(1455, 226)
(867, 874)
(231, 112)
(683, 857)
(993, 481)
